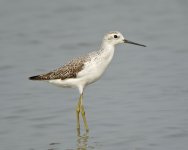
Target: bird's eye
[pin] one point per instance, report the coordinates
(115, 36)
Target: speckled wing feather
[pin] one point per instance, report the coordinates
(69, 70)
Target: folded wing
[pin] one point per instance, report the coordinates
(69, 70)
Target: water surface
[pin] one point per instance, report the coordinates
(139, 104)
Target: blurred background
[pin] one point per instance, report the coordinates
(141, 102)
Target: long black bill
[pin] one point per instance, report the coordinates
(130, 42)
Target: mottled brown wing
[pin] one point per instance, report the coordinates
(69, 70)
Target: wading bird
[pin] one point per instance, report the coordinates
(84, 70)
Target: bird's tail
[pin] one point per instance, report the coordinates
(37, 77)
(46, 76)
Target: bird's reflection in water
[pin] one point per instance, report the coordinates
(82, 142)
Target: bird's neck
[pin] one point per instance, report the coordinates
(107, 51)
(106, 47)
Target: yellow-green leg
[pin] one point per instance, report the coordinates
(80, 109)
(83, 113)
(78, 116)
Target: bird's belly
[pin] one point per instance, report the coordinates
(68, 83)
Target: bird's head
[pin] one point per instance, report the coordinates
(115, 37)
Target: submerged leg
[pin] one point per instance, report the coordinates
(83, 113)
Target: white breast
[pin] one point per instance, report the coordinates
(96, 66)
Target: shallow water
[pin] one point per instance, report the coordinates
(141, 102)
